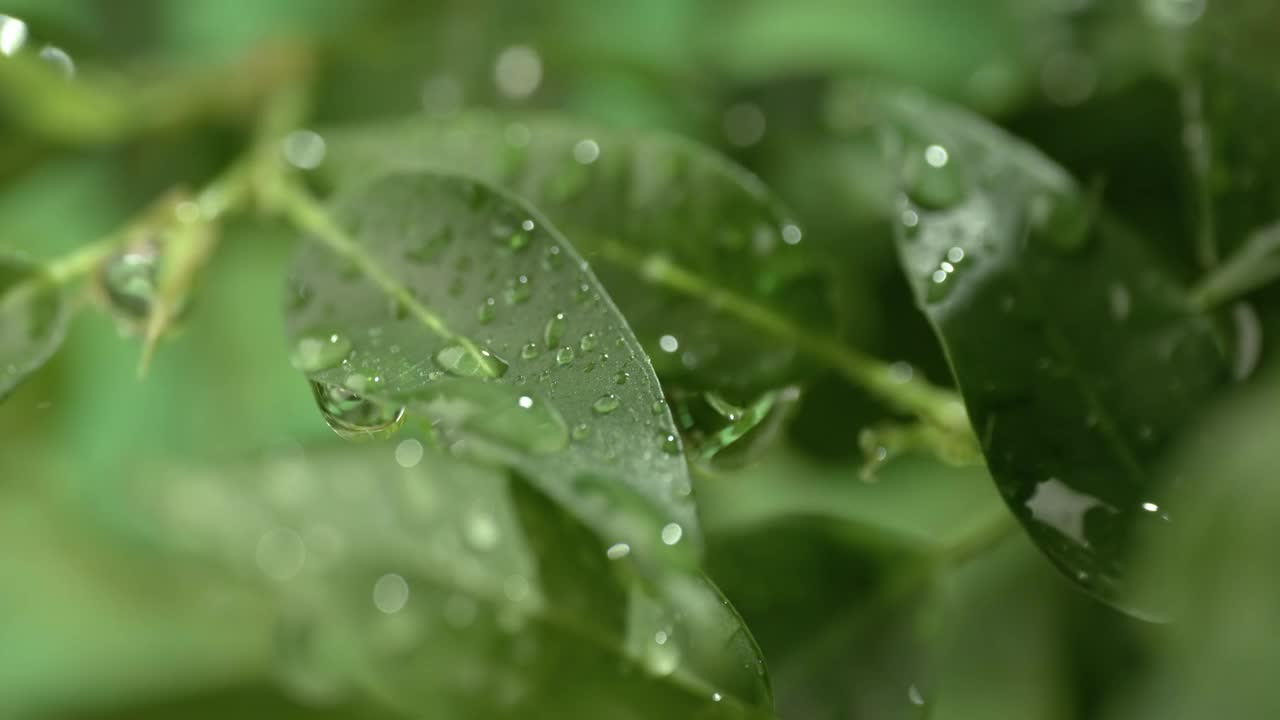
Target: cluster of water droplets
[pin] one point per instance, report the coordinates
(15, 39)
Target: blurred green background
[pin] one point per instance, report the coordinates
(902, 597)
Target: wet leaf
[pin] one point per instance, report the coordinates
(446, 306)
(33, 321)
(345, 577)
(707, 266)
(1079, 359)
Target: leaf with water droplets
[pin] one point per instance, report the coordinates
(707, 266)
(1079, 359)
(390, 579)
(511, 384)
(33, 321)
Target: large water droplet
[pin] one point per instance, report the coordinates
(606, 404)
(564, 356)
(460, 360)
(354, 417)
(319, 351)
(588, 342)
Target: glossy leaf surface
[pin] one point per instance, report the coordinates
(1079, 359)
(466, 306)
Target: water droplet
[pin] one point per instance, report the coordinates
(914, 696)
(13, 35)
(552, 259)
(581, 431)
(658, 407)
(409, 453)
(518, 290)
(586, 151)
(130, 281)
(354, 417)
(617, 551)
(529, 351)
(487, 311)
(319, 351)
(554, 331)
(482, 531)
(588, 342)
(1248, 349)
(304, 149)
(606, 404)
(518, 241)
(716, 697)
(517, 72)
(564, 356)
(931, 178)
(621, 377)
(390, 593)
(662, 659)
(461, 361)
(791, 234)
(672, 533)
(668, 343)
(582, 293)
(670, 444)
(59, 59)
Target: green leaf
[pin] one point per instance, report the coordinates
(704, 262)
(33, 321)
(1216, 574)
(1079, 359)
(346, 577)
(468, 307)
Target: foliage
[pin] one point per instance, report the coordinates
(690, 360)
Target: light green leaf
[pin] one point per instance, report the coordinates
(33, 321)
(1079, 359)
(469, 308)
(346, 577)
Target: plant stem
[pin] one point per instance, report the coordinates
(934, 405)
(1255, 264)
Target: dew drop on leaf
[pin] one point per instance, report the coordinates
(462, 361)
(605, 404)
(564, 356)
(553, 333)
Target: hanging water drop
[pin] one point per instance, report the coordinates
(354, 417)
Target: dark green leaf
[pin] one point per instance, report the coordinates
(33, 321)
(706, 265)
(1079, 359)
(468, 307)
(1231, 95)
(349, 578)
